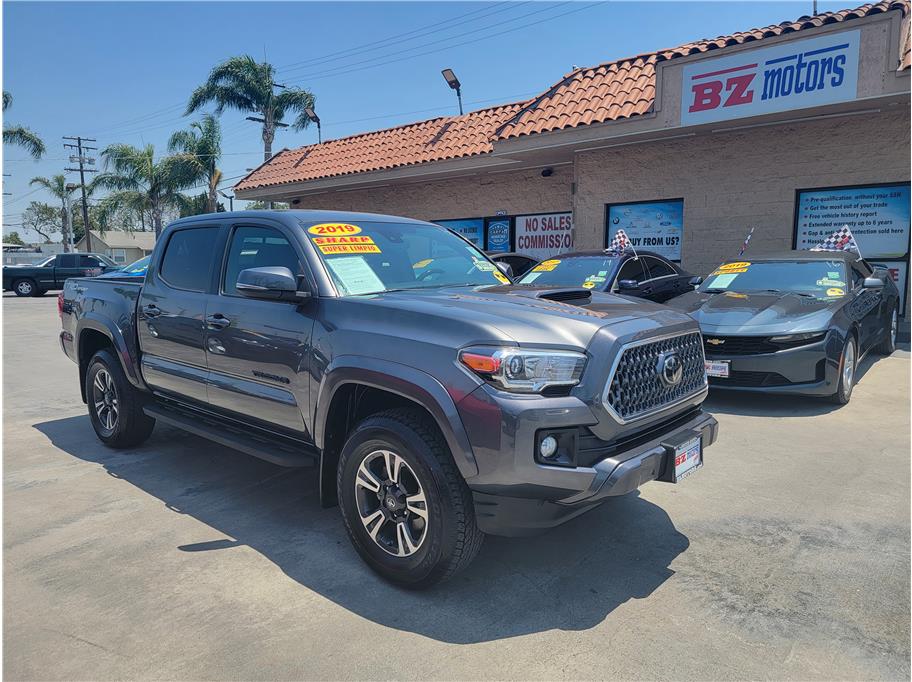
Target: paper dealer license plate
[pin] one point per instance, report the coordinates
(716, 368)
(688, 458)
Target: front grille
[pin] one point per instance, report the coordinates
(636, 388)
(738, 345)
(715, 345)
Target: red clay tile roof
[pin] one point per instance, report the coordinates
(626, 87)
(449, 137)
(608, 92)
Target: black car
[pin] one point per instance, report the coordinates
(643, 274)
(50, 274)
(519, 263)
(793, 322)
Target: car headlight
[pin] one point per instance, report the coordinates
(525, 370)
(798, 339)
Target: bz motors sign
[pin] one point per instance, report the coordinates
(793, 75)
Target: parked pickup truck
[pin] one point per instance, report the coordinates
(50, 273)
(438, 401)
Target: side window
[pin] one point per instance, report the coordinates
(257, 247)
(67, 260)
(658, 268)
(635, 270)
(88, 262)
(188, 258)
(858, 275)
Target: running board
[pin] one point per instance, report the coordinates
(286, 454)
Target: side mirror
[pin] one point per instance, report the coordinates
(695, 281)
(274, 282)
(873, 283)
(505, 268)
(628, 285)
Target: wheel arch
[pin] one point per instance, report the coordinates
(354, 388)
(94, 333)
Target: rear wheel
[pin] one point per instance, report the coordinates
(406, 508)
(25, 287)
(847, 367)
(888, 345)
(115, 406)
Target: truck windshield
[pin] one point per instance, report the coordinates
(371, 257)
(818, 278)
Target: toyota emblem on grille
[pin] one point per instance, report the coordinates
(715, 342)
(670, 368)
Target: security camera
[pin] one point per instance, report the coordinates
(547, 172)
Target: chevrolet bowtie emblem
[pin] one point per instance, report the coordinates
(715, 342)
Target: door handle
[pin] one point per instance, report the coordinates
(217, 321)
(151, 310)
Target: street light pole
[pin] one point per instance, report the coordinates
(312, 115)
(454, 84)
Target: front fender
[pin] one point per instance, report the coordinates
(403, 380)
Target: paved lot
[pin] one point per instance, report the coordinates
(787, 556)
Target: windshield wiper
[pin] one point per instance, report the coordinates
(797, 293)
(714, 291)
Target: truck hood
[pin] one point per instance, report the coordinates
(542, 316)
(756, 313)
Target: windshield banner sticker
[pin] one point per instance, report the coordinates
(328, 229)
(355, 244)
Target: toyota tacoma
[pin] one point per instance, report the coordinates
(437, 401)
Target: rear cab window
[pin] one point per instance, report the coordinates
(187, 260)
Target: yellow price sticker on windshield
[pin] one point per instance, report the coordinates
(334, 229)
(588, 285)
(835, 291)
(720, 271)
(546, 266)
(500, 277)
(422, 263)
(728, 267)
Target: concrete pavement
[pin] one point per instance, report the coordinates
(786, 556)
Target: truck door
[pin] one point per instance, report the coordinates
(258, 350)
(172, 311)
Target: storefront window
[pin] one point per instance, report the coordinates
(656, 226)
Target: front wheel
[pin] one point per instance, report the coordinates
(115, 406)
(847, 366)
(407, 510)
(888, 345)
(25, 287)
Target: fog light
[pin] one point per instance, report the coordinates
(548, 447)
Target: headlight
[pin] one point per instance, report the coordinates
(525, 370)
(798, 339)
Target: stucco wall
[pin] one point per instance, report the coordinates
(467, 197)
(733, 181)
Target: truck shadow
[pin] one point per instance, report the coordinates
(568, 579)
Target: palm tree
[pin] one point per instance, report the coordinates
(243, 84)
(140, 183)
(57, 186)
(202, 145)
(21, 136)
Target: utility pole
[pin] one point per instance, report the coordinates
(83, 160)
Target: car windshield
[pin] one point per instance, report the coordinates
(587, 271)
(104, 259)
(818, 278)
(137, 266)
(370, 257)
(44, 262)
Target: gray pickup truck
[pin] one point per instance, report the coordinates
(438, 400)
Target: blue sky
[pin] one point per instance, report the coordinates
(122, 72)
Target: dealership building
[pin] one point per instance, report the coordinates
(791, 131)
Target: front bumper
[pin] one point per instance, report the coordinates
(524, 507)
(807, 370)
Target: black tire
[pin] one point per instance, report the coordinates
(846, 383)
(888, 345)
(25, 287)
(449, 537)
(39, 292)
(129, 426)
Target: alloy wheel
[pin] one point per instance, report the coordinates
(104, 397)
(24, 288)
(848, 365)
(391, 503)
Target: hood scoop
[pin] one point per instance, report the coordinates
(574, 296)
